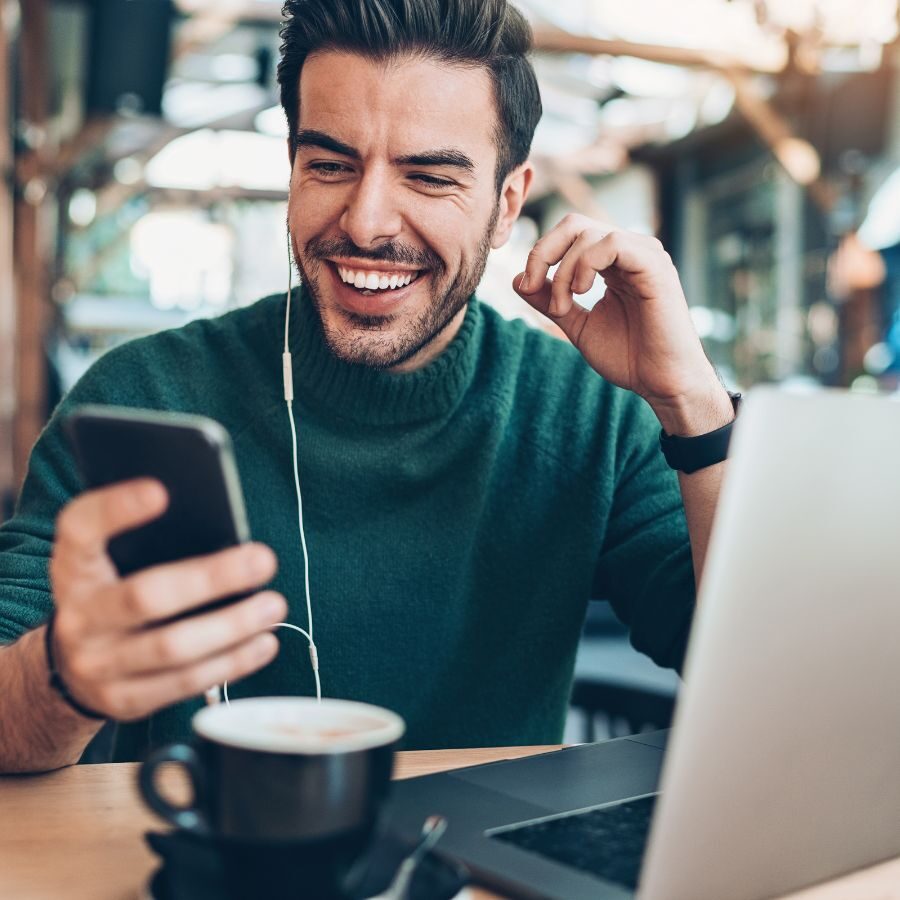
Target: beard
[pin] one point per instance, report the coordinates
(369, 341)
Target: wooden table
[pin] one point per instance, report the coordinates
(77, 833)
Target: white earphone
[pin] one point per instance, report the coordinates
(212, 695)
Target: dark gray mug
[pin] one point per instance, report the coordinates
(282, 769)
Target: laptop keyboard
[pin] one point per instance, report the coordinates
(607, 841)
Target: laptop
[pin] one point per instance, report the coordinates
(782, 768)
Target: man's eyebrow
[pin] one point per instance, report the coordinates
(309, 137)
(455, 158)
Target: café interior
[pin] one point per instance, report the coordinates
(146, 186)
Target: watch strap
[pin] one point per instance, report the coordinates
(690, 454)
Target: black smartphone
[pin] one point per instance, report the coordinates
(191, 455)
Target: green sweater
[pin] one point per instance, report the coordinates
(459, 518)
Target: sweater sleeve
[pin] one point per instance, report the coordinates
(645, 568)
(138, 373)
(26, 540)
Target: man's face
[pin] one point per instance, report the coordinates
(393, 201)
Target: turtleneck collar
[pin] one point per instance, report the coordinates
(375, 396)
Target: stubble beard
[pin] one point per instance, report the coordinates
(360, 343)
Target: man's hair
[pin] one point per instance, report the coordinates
(491, 34)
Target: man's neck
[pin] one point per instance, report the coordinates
(433, 349)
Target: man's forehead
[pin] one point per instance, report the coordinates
(412, 102)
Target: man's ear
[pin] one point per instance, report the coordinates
(512, 199)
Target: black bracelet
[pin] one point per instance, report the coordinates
(56, 681)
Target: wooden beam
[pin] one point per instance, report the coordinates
(548, 39)
(88, 139)
(7, 283)
(769, 124)
(54, 168)
(31, 232)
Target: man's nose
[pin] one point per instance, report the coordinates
(372, 216)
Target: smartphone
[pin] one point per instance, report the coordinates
(191, 455)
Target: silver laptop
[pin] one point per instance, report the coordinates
(783, 765)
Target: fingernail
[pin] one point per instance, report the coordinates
(523, 282)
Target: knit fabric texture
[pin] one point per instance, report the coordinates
(459, 518)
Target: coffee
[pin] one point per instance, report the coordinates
(284, 725)
(283, 769)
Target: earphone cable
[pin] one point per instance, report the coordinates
(288, 375)
(212, 695)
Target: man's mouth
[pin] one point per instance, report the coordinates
(371, 281)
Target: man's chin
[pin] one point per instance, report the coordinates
(390, 334)
(373, 341)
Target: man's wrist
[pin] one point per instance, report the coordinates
(55, 679)
(699, 412)
(44, 732)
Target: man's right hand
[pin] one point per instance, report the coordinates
(114, 649)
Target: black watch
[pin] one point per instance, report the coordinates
(689, 454)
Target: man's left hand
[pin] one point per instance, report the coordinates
(640, 336)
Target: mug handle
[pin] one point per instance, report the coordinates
(189, 818)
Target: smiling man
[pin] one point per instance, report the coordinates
(393, 200)
(469, 483)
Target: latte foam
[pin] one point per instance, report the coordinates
(299, 725)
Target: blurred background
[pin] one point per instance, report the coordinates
(145, 179)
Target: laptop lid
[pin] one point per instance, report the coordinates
(784, 764)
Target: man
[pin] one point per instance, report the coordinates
(468, 483)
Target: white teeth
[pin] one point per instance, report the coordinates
(372, 281)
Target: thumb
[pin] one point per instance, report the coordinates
(570, 320)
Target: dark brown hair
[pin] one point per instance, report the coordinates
(488, 33)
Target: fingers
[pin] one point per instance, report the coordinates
(592, 251)
(548, 251)
(584, 255)
(553, 246)
(591, 242)
(161, 592)
(571, 321)
(134, 698)
(106, 653)
(191, 640)
(85, 525)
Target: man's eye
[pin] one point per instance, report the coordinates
(432, 181)
(328, 169)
